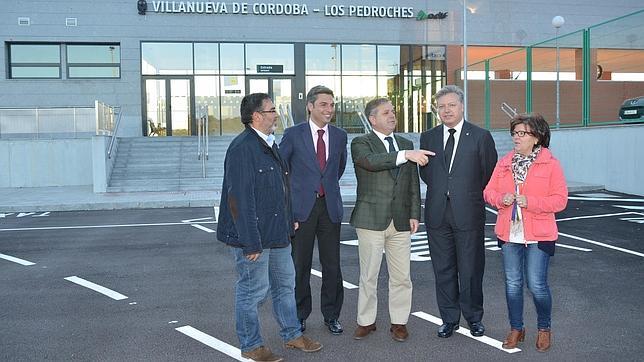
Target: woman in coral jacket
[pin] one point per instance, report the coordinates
(527, 187)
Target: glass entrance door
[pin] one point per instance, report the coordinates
(168, 107)
(280, 89)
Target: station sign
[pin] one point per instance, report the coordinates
(285, 9)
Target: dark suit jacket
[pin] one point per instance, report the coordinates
(472, 168)
(255, 209)
(381, 195)
(298, 151)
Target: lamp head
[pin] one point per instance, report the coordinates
(558, 21)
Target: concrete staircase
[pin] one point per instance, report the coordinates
(171, 164)
(167, 164)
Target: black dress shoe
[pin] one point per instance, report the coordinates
(334, 326)
(447, 329)
(477, 329)
(302, 325)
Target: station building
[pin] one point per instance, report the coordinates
(163, 62)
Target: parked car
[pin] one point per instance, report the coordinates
(632, 109)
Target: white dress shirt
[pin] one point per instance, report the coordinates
(400, 158)
(325, 137)
(457, 136)
(269, 139)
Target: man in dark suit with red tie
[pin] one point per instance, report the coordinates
(316, 154)
(455, 210)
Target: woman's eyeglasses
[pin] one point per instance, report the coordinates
(521, 133)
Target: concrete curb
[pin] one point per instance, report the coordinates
(80, 198)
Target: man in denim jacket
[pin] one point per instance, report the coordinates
(255, 219)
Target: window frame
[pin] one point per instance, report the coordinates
(11, 64)
(69, 64)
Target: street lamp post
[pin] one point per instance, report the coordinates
(557, 22)
(465, 59)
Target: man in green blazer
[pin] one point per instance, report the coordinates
(386, 214)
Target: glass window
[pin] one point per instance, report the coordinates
(166, 58)
(34, 60)
(93, 61)
(270, 59)
(388, 60)
(93, 72)
(232, 58)
(322, 59)
(359, 59)
(233, 90)
(206, 58)
(356, 92)
(207, 95)
(331, 82)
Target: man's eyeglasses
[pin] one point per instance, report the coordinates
(521, 133)
(269, 111)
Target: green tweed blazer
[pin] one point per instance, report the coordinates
(383, 193)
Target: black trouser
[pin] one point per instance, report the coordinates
(328, 235)
(458, 259)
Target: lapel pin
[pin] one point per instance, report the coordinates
(467, 134)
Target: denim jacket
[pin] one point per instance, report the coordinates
(255, 209)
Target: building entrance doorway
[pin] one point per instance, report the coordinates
(168, 109)
(280, 89)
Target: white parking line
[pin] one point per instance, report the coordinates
(96, 226)
(202, 228)
(16, 260)
(466, 332)
(611, 199)
(566, 246)
(97, 288)
(212, 342)
(109, 226)
(595, 216)
(344, 284)
(604, 245)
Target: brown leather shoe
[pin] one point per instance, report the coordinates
(543, 340)
(304, 344)
(363, 331)
(399, 332)
(262, 354)
(514, 337)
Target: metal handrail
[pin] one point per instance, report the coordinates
(363, 118)
(434, 112)
(289, 114)
(283, 116)
(508, 110)
(113, 137)
(202, 140)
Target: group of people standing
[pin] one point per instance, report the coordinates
(277, 200)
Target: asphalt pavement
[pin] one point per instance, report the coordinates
(155, 285)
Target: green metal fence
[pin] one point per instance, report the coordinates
(598, 68)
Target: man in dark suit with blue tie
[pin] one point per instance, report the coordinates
(316, 154)
(455, 210)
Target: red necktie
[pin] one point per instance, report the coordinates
(321, 156)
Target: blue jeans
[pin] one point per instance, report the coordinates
(518, 261)
(274, 269)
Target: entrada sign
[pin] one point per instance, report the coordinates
(296, 9)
